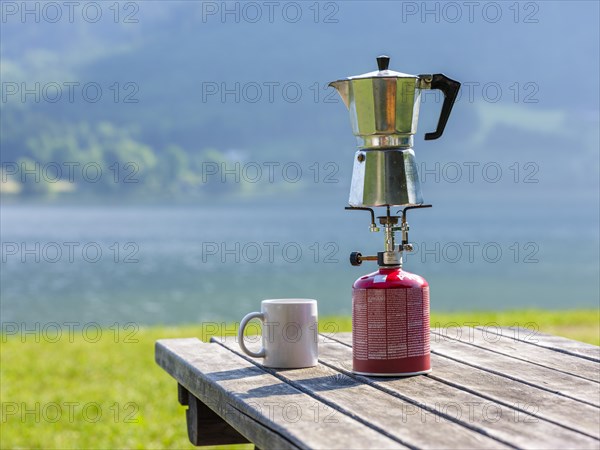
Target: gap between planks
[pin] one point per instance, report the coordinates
(316, 397)
(589, 414)
(453, 426)
(504, 345)
(556, 382)
(571, 347)
(192, 363)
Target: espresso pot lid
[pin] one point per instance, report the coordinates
(383, 63)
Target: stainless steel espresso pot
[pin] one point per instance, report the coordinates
(384, 111)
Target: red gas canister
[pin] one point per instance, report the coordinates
(390, 324)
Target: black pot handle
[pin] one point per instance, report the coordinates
(450, 90)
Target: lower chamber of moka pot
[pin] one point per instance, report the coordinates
(390, 324)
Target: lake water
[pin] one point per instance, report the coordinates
(186, 264)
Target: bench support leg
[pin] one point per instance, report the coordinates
(205, 427)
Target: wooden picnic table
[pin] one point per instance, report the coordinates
(489, 388)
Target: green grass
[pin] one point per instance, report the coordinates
(137, 400)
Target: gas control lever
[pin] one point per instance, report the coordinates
(356, 258)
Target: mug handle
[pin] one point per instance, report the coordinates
(243, 323)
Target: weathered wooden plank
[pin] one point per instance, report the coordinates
(262, 408)
(556, 343)
(551, 380)
(537, 402)
(480, 337)
(400, 419)
(176, 356)
(499, 420)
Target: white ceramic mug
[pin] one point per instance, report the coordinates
(289, 333)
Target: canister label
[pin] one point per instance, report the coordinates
(390, 330)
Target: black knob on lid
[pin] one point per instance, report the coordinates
(383, 62)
